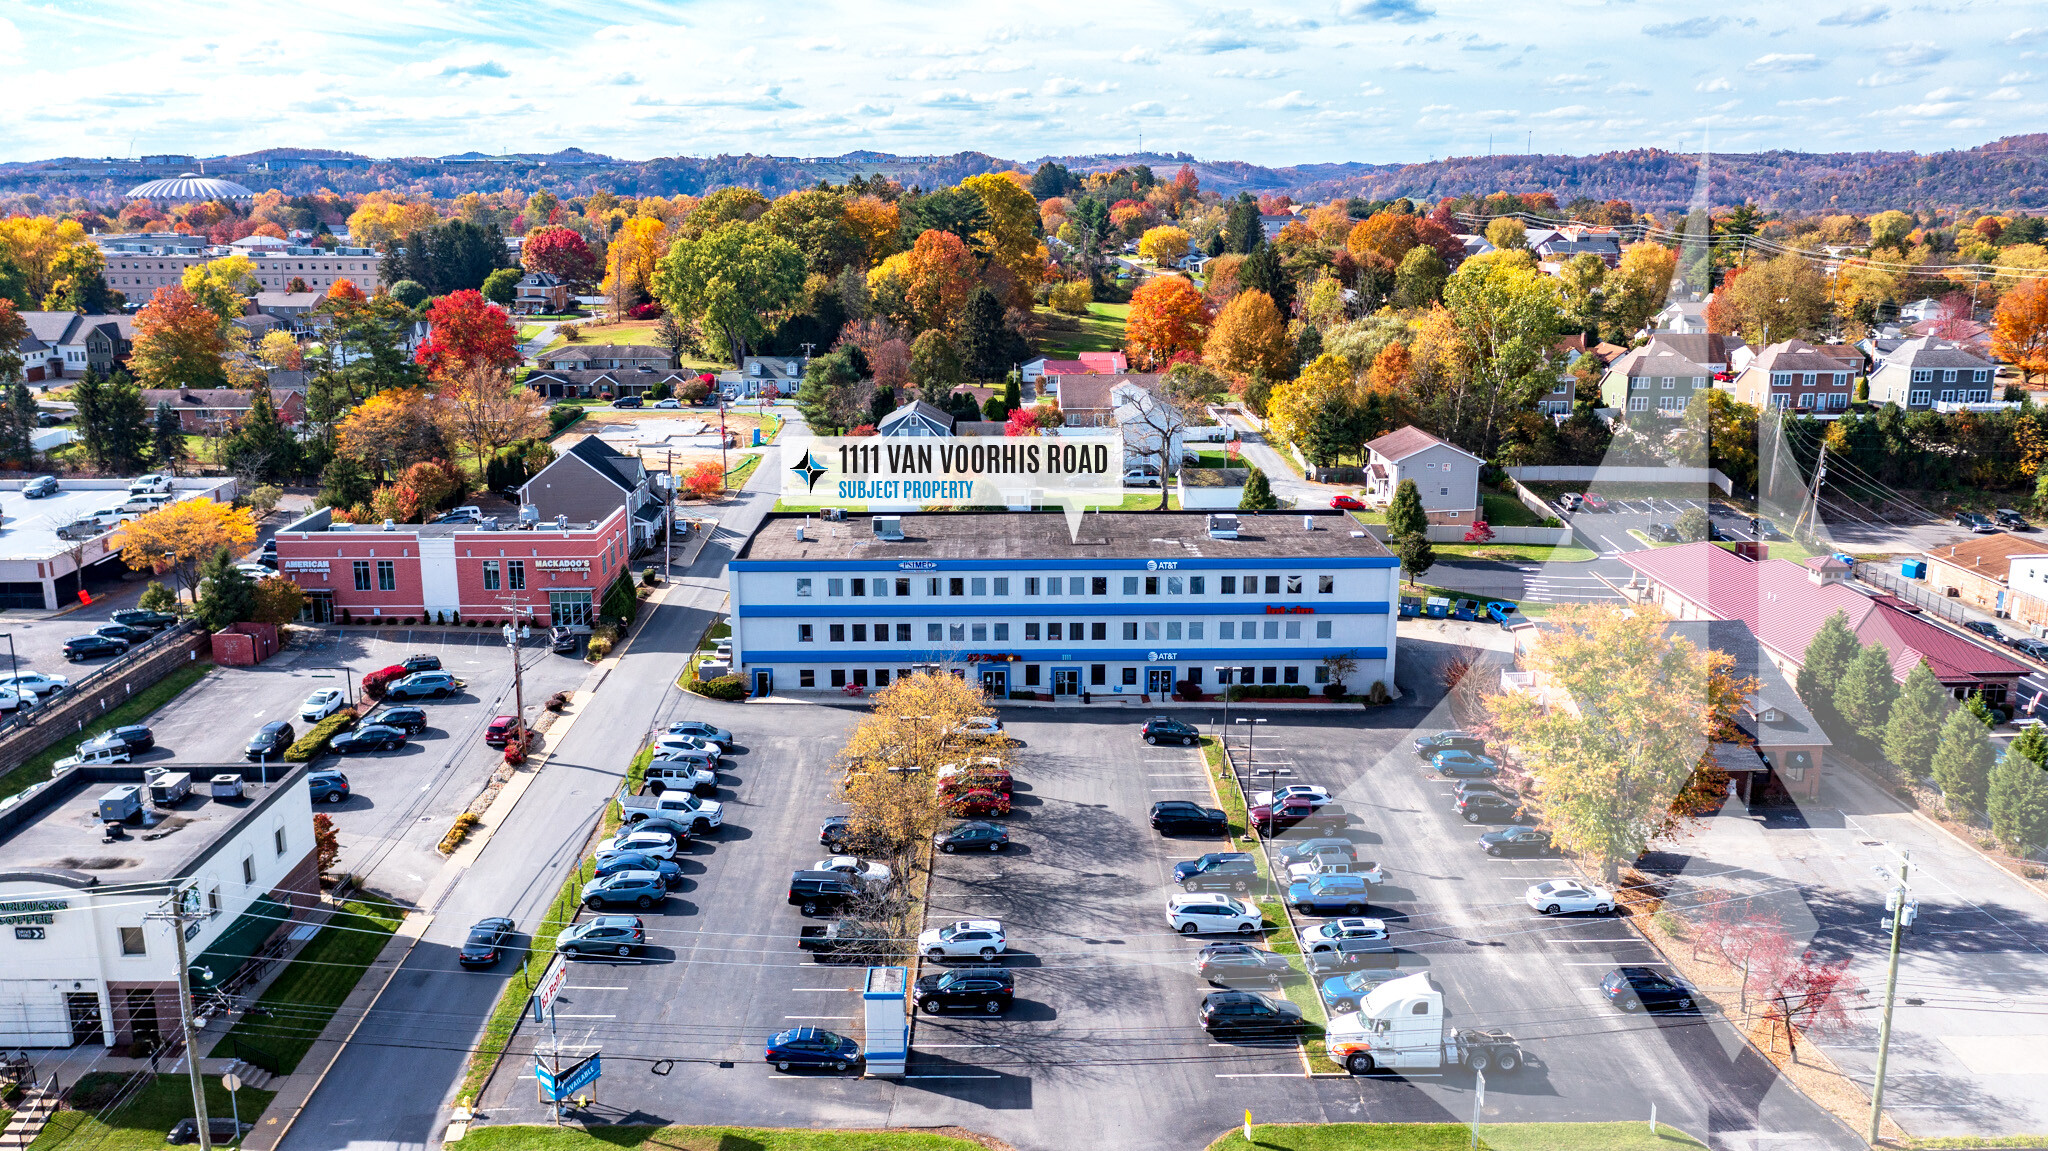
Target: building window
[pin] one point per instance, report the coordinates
(1099, 587)
(1326, 584)
(1152, 629)
(838, 677)
(932, 586)
(803, 586)
(860, 589)
(860, 633)
(1226, 630)
(1272, 629)
(1002, 585)
(1294, 629)
(387, 576)
(1290, 674)
(1030, 633)
(1099, 631)
(1639, 383)
(903, 586)
(978, 586)
(956, 633)
(1130, 677)
(860, 676)
(836, 632)
(881, 677)
(1002, 633)
(1322, 673)
(1923, 375)
(1948, 395)
(1670, 382)
(835, 587)
(1197, 584)
(1030, 675)
(956, 586)
(132, 942)
(978, 632)
(1130, 585)
(1130, 629)
(1030, 585)
(803, 633)
(1052, 631)
(934, 633)
(515, 575)
(1838, 401)
(1781, 400)
(1098, 675)
(1226, 585)
(248, 869)
(1269, 675)
(277, 837)
(362, 570)
(1173, 629)
(902, 633)
(1980, 396)
(807, 677)
(1195, 629)
(1639, 403)
(1323, 629)
(1949, 376)
(1699, 383)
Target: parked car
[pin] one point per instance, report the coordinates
(39, 487)
(1162, 728)
(628, 402)
(1643, 989)
(1210, 913)
(670, 402)
(135, 738)
(2011, 520)
(1296, 850)
(486, 936)
(420, 661)
(2032, 648)
(1555, 896)
(122, 632)
(671, 746)
(1517, 840)
(1595, 502)
(561, 639)
(837, 834)
(1354, 935)
(1347, 503)
(1218, 871)
(1140, 478)
(1180, 816)
(975, 835)
(620, 935)
(1490, 807)
(863, 871)
(1975, 521)
(1247, 1013)
(368, 737)
(1311, 791)
(1505, 614)
(425, 685)
(1343, 993)
(269, 741)
(670, 871)
(659, 844)
(666, 826)
(642, 889)
(804, 1046)
(146, 620)
(1428, 745)
(1456, 763)
(1569, 502)
(1985, 628)
(1330, 895)
(703, 731)
(1336, 863)
(820, 892)
(1301, 811)
(979, 937)
(322, 704)
(1665, 533)
(978, 801)
(1237, 964)
(80, 647)
(987, 989)
(328, 786)
(34, 683)
(499, 733)
(411, 720)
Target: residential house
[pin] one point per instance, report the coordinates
(1977, 571)
(1656, 376)
(1557, 249)
(1085, 364)
(1973, 333)
(67, 345)
(915, 419)
(605, 383)
(1784, 604)
(1796, 375)
(1786, 747)
(1153, 429)
(1682, 316)
(1927, 372)
(765, 376)
(589, 481)
(1924, 308)
(591, 357)
(1447, 476)
(540, 294)
(220, 410)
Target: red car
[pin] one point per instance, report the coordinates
(979, 801)
(500, 732)
(1594, 503)
(984, 779)
(1347, 503)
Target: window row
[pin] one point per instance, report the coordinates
(1829, 401)
(946, 586)
(1067, 678)
(1953, 375)
(1077, 631)
(1687, 383)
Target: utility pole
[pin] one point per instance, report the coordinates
(175, 913)
(516, 631)
(1903, 911)
(1820, 472)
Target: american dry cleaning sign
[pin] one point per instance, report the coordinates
(1074, 472)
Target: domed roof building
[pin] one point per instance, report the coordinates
(190, 188)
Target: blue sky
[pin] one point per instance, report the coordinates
(1326, 80)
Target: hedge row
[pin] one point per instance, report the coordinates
(1268, 691)
(726, 687)
(314, 742)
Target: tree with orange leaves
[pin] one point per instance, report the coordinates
(467, 330)
(345, 293)
(1167, 316)
(180, 536)
(178, 342)
(391, 430)
(1250, 338)
(939, 271)
(876, 223)
(2019, 329)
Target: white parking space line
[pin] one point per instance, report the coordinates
(952, 1077)
(1260, 1075)
(566, 1015)
(815, 1017)
(811, 989)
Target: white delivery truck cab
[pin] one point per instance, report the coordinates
(1400, 1026)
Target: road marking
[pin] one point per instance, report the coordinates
(568, 1016)
(806, 989)
(810, 1017)
(952, 1077)
(1260, 1075)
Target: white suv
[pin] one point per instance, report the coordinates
(680, 746)
(1210, 912)
(979, 937)
(653, 844)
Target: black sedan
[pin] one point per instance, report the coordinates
(1428, 745)
(80, 647)
(974, 836)
(147, 620)
(484, 942)
(369, 737)
(122, 632)
(671, 871)
(135, 739)
(1180, 816)
(837, 834)
(269, 741)
(987, 989)
(1249, 1014)
(1241, 964)
(1646, 989)
(1162, 729)
(1517, 840)
(407, 719)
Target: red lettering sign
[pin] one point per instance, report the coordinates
(1279, 609)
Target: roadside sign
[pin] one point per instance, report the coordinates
(546, 1077)
(550, 985)
(579, 1075)
(231, 1081)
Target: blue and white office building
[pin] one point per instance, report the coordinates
(1139, 602)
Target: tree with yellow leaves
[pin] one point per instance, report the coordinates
(1249, 337)
(381, 218)
(2019, 329)
(1009, 232)
(893, 757)
(391, 431)
(1637, 287)
(223, 286)
(279, 352)
(629, 263)
(479, 406)
(875, 222)
(1164, 246)
(178, 537)
(37, 245)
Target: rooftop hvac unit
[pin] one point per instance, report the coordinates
(888, 527)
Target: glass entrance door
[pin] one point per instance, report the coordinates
(569, 608)
(1159, 680)
(1066, 681)
(996, 682)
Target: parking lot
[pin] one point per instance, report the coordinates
(1104, 1034)
(1608, 531)
(402, 801)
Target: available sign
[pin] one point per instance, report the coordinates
(558, 1085)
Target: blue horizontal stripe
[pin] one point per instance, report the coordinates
(1055, 608)
(1191, 563)
(852, 655)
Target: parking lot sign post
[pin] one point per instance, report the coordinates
(550, 985)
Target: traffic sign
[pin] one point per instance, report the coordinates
(550, 985)
(231, 1081)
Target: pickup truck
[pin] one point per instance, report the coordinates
(1336, 863)
(826, 939)
(699, 815)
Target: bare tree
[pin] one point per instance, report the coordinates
(483, 408)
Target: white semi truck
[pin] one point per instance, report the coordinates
(1400, 1026)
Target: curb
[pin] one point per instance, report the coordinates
(1308, 1067)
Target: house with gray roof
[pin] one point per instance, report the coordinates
(1658, 377)
(1446, 475)
(66, 345)
(589, 481)
(1929, 371)
(915, 419)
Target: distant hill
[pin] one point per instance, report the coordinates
(2005, 174)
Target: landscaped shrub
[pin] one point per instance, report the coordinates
(726, 687)
(1333, 690)
(1377, 697)
(457, 832)
(619, 600)
(375, 682)
(1268, 691)
(345, 617)
(311, 744)
(408, 621)
(647, 576)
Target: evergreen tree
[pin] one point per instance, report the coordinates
(344, 484)
(1258, 494)
(262, 448)
(1827, 660)
(1242, 229)
(1405, 516)
(1417, 556)
(1962, 764)
(1261, 272)
(1214, 247)
(2019, 800)
(157, 597)
(167, 437)
(1914, 728)
(825, 375)
(226, 594)
(1013, 393)
(112, 423)
(1865, 694)
(18, 422)
(1980, 710)
(989, 347)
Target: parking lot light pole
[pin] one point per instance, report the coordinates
(1250, 726)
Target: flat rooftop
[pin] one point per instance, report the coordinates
(322, 521)
(1044, 535)
(60, 829)
(30, 528)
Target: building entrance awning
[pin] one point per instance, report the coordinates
(233, 947)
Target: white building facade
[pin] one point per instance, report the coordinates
(1139, 604)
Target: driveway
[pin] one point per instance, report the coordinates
(1281, 472)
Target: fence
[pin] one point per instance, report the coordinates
(1620, 475)
(1455, 534)
(1913, 592)
(30, 730)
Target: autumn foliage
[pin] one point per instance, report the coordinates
(467, 330)
(560, 252)
(178, 537)
(704, 479)
(2019, 330)
(178, 342)
(1167, 316)
(1250, 337)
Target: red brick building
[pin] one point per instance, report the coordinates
(553, 571)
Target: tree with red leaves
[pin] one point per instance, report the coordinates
(560, 252)
(704, 479)
(1032, 420)
(1806, 994)
(1953, 320)
(467, 330)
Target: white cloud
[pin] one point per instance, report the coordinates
(1291, 100)
(621, 79)
(1625, 88)
(2022, 35)
(1882, 79)
(1922, 111)
(1429, 108)
(1568, 112)
(1785, 62)
(2016, 78)
(1857, 17)
(1917, 55)
(1064, 86)
(1697, 28)
(1146, 108)
(2004, 94)
(1217, 40)
(1139, 54)
(1569, 82)
(1371, 89)
(1391, 11)
(10, 41)
(822, 44)
(1814, 102)
(1717, 84)
(1415, 66)
(1253, 73)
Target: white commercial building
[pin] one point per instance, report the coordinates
(1139, 603)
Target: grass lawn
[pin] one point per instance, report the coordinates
(1456, 1137)
(1216, 458)
(141, 1123)
(529, 331)
(304, 997)
(1376, 516)
(135, 710)
(737, 477)
(1515, 553)
(1141, 500)
(1101, 330)
(538, 1138)
(1505, 511)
